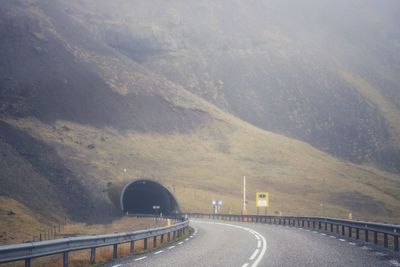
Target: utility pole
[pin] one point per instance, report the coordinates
(244, 211)
(323, 197)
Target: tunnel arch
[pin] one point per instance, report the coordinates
(142, 195)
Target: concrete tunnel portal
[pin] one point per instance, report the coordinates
(147, 197)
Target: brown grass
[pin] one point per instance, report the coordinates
(104, 254)
(211, 161)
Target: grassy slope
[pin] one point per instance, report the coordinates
(19, 227)
(207, 163)
(388, 110)
(210, 162)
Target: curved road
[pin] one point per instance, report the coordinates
(218, 243)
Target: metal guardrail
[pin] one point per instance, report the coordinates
(28, 251)
(378, 233)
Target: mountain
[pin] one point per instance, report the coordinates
(320, 71)
(195, 95)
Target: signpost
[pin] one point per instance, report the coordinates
(216, 206)
(262, 201)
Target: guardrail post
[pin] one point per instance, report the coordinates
(343, 230)
(319, 225)
(366, 236)
(375, 237)
(337, 228)
(132, 248)
(169, 236)
(357, 233)
(162, 239)
(350, 232)
(331, 227)
(313, 224)
(326, 226)
(92, 255)
(154, 241)
(27, 262)
(395, 243)
(65, 259)
(145, 244)
(385, 240)
(115, 251)
(308, 224)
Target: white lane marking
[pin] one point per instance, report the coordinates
(331, 236)
(186, 239)
(254, 254)
(171, 247)
(263, 250)
(307, 230)
(394, 262)
(365, 248)
(142, 258)
(258, 243)
(323, 234)
(342, 240)
(315, 232)
(352, 243)
(245, 265)
(264, 242)
(180, 243)
(117, 265)
(158, 252)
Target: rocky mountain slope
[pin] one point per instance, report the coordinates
(320, 71)
(192, 95)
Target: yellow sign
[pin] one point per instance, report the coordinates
(262, 199)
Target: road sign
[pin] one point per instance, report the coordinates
(262, 200)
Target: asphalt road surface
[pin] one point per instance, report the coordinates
(219, 243)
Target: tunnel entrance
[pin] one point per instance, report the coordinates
(147, 197)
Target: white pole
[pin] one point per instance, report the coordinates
(244, 192)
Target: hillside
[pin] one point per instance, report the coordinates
(312, 70)
(75, 111)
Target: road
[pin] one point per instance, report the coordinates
(218, 243)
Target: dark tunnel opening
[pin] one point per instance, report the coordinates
(147, 197)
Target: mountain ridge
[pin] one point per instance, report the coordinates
(76, 111)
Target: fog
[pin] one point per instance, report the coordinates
(296, 68)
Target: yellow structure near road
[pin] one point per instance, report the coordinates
(262, 199)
